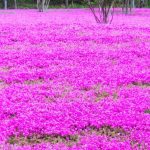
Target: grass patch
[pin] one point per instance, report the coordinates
(33, 82)
(141, 84)
(105, 130)
(147, 111)
(5, 68)
(136, 145)
(101, 95)
(69, 140)
(3, 84)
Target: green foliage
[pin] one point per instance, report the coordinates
(61, 3)
(53, 4)
(149, 3)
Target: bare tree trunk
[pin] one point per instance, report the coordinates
(47, 4)
(37, 4)
(5, 4)
(72, 2)
(42, 5)
(66, 3)
(15, 1)
(127, 6)
(105, 10)
(133, 3)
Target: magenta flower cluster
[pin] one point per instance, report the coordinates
(67, 83)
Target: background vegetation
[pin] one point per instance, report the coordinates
(61, 3)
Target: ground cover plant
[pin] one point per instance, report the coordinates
(68, 83)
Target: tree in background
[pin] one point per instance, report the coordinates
(66, 3)
(127, 6)
(6, 4)
(42, 5)
(102, 10)
(15, 2)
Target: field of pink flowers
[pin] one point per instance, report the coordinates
(67, 83)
